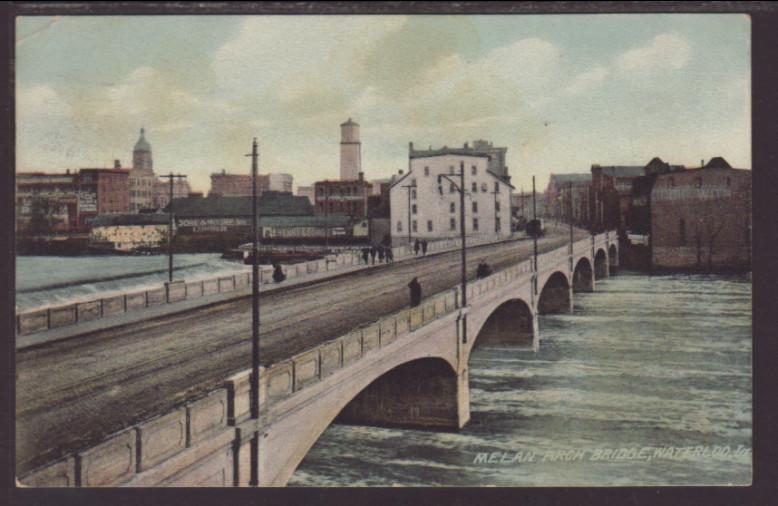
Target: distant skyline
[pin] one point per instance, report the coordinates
(560, 91)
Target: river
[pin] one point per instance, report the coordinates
(647, 383)
(48, 280)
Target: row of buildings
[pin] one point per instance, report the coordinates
(668, 216)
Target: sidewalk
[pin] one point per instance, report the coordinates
(169, 309)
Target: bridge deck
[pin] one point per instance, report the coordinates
(75, 392)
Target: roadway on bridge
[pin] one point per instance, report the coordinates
(73, 393)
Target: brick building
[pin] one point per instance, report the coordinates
(224, 184)
(103, 191)
(701, 218)
(566, 194)
(348, 197)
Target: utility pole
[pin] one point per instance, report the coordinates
(535, 229)
(461, 189)
(570, 187)
(254, 479)
(408, 187)
(170, 177)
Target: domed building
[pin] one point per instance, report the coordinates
(142, 177)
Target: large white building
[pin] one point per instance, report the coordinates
(430, 210)
(280, 182)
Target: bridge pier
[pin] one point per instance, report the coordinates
(422, 394)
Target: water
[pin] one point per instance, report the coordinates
(39, 279)
(645, 366)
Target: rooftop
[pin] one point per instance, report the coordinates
(270, 203)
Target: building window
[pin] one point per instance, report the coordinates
(475, 223)
(413, 193)
(413, 226)
(475, 187)
(698, 182)
(474, 170)
(452, 224)
(452, 188)
(429, 225)
(413, 209)
(452, 207)
(484, 188)
(729, 182)
(399, 226)
(496, 187)
(475, 207)
(671, 183)
(451, 170)
(497, 205)
(497, 224)
(682, 231)
(413, 182)
(426, 171)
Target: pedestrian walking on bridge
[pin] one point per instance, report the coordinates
(365, 254)
(424, 247)
(416, 246)
(415, 289)
(373, 252)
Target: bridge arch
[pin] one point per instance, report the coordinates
(583, 276)
(600, 264)
(510, 323)
(420, 393)
(555, 296)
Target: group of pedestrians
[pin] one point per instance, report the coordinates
(384, 254)
(420, 245)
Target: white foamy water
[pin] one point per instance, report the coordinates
(39, 279)
(655, 363)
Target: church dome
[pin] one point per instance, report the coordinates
(142, 144)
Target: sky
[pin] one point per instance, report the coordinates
(561, 92)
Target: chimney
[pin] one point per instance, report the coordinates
(117, 164)
(361, 176)
(224, 172)
(466, 146)
(702, 163)
(67, 171)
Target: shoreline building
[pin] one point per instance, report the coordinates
(350, 151)
(227, 184)
(420, 207)
(480, 147)
(142, 178)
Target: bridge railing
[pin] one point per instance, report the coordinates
(113, 303)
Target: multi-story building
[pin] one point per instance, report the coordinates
(701, 218)
(225, 184)
(612, 189)
(349, 197)
(280, 182)
(480, 147)
(46, 202)
(142, 179)
(103, 191)
(567, 198)
(181, 190)
(424, 204)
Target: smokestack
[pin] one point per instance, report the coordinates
(702, 163)
(361, 176)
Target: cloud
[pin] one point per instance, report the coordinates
(587, 80)
(40, 100)
(668, 51)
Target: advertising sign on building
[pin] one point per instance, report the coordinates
(87, 201)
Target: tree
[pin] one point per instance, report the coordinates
(42, 219)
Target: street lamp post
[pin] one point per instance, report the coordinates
(535, 236)
(461, 189)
